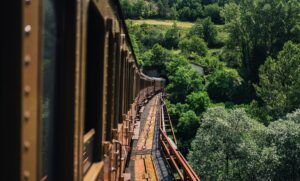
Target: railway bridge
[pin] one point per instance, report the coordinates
(74, 103)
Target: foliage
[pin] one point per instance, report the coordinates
(198, 101)
(259, 28)
(213, 11)
(193, 45)
(173, 65)
(285, 135)
(175, 110)
(231, 146)
(184, 81)
(280, 81)
(188, 124)
(227, 85)
(149, 36)
(186, 129)
(156, 57)
(172, 37)
(209, 32)
(138, 8)
(136, 47)
(210, 64)
(196, 29)
(190, 10)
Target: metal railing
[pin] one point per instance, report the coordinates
(181, 169)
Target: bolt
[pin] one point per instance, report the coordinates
(26, 175)
(27, 89)
(27, 1)
(27, 29)
(26, 115)
(26, 145)
(27, 60)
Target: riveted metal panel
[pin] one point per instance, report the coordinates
(30, 90)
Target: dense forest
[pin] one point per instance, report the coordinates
(239, 118)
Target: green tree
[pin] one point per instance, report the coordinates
(172, 37)
(213, 11)
(156, 57)
(231, 146)
(209, 32)
(127, 8)
(193, 45)
(196, 29)
(198, 101)
(173, 65)
(227, 85)
(150, 35)
(187, 125)
(259, 28)
(280, 81)
(190, 10)
(184, 81)
(285, 135)
(163, 8)
(186, 130)
(175, 110)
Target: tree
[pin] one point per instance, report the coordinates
(280, 81)
(172, 37)
(189, 10)
(198, 101)
(193, 45)
(175, 63)
(127, 8)
(175, 110)
(184, 81)
(231, 146)
(213, 11)
(186, 130)
(227, 85)
(285, 135)
(196, 29)
(150, 35)
(187, 125)
(156, 57)
(209, 32)
(163, 8)
(259, 28)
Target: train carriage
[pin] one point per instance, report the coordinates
(70, 89)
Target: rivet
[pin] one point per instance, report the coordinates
(27, 29)
(27, 1)
(27, 60)
(26, 174)
(27, 89)
(26, 115)
(26, 145)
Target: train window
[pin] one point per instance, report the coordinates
(94, 88)
(48, 80)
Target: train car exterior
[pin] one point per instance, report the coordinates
(70, 90)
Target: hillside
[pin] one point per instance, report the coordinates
(239, 118)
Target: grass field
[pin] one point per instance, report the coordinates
(180, 24)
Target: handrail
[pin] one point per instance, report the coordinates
(173, 134)
(182, 162)
(177, 161)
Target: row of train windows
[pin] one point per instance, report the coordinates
(94, 81)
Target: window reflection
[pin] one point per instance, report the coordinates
(48, 99)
